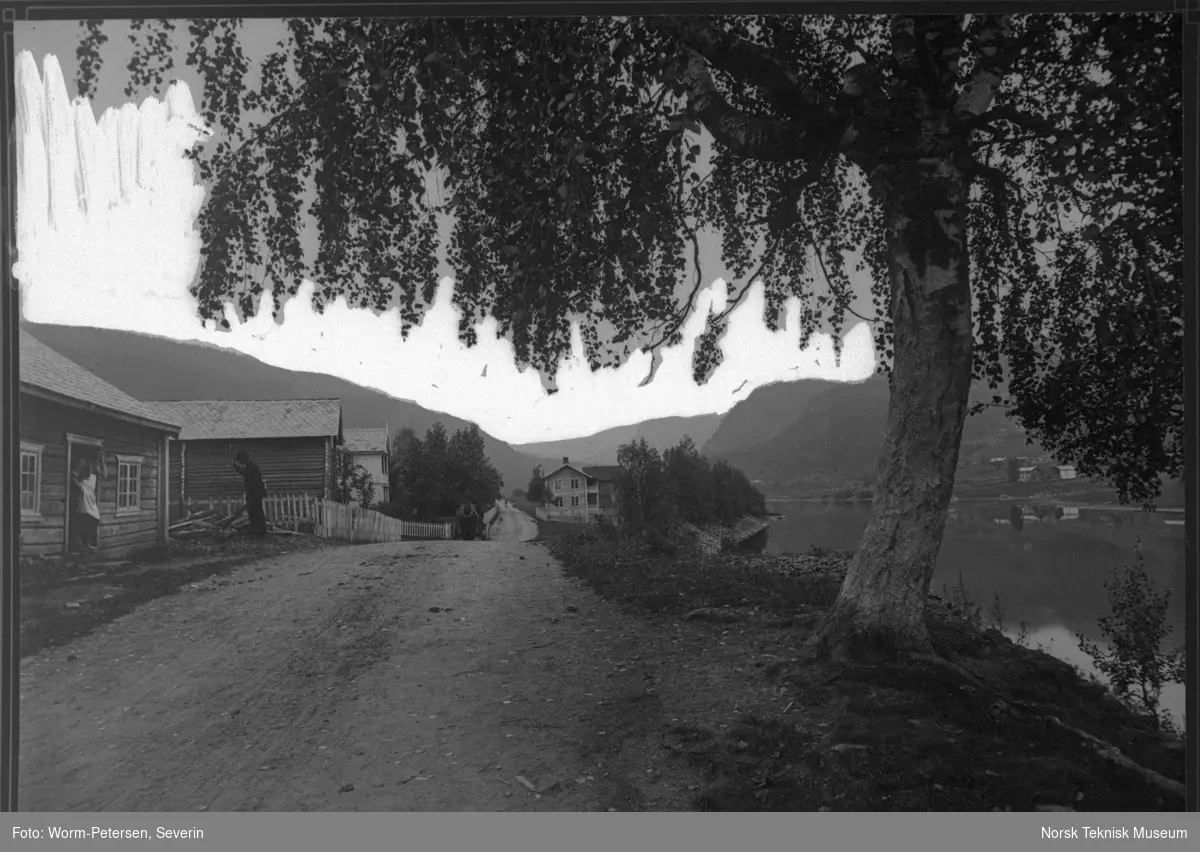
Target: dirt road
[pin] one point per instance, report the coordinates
(512, 524)
(415, 676)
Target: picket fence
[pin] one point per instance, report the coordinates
(353, 523)
(328, 519)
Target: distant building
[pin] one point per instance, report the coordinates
(368, 448)
(1032, 473)
(1066, 471)
(580, 494)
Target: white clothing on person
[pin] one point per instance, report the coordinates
(87, 497)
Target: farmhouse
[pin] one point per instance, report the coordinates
(1031, 473)
(294, 441)
(368, 448)
(67, 413)
(1065, 471)
(575, 493)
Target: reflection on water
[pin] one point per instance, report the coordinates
(1047, 564)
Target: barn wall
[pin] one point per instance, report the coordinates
(289, 466)
(175, 469)
(47, 423)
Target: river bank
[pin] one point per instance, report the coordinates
(1020, 734)
(1077, 493)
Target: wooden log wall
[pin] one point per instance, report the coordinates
(47, 424)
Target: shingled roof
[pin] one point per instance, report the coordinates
(366, 440)
(603, 472)
(242, 419)
(44, 369)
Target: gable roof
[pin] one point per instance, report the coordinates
(601, 472)
(242, 419)
(366, 440)
(45, 370)
(563, 467)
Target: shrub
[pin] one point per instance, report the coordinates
(1134, 662)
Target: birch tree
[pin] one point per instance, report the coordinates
(1010, 186)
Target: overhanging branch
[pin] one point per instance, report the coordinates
(754, 65)
(743, 135)
(990, 58)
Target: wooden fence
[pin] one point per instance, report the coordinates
(328, 519)
(353, 523)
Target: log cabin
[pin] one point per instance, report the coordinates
(68, 413)
(296, 443)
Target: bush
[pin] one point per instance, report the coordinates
(394, 510)
(1135, 663)
(681, 485)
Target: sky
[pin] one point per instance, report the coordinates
(109, 240)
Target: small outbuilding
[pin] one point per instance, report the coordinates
(295, 442)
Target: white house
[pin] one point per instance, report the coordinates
(1065, 471)
(368, 448)
(579, 494)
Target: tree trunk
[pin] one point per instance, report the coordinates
(923, 194)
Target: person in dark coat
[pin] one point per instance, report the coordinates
(468, 520)
(255, 489)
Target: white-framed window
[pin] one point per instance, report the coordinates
(558, 502)
(129, 484)
(574, 501)
(574, 484)
(31, 478)
(558, 485)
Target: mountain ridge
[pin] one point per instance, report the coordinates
(601, 447)
(818, 434)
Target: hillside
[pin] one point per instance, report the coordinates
(154, 368)
(835, 433)
(766, 412)
(601, 448)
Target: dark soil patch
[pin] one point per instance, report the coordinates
(901, 735)
(554, 530)
(62, 603)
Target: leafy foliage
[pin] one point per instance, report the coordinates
(355, 484)
(1135, 663)
(681, 484)
(432, 477)
(535, 491)
(578, 163)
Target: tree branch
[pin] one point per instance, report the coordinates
(743, 135)
(755, 66)
(1042, 128)
(999, 182)
(987, 49)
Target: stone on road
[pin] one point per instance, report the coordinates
(390, 677)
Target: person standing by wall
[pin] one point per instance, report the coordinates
(255, 490)
(86, 521)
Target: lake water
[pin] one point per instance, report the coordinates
(1048, 568)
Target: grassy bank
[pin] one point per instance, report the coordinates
(902, 735)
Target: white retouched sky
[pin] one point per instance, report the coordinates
(107, 237)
